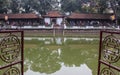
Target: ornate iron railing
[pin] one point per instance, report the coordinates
(109, 53)
(11, 52)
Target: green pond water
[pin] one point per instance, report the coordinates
(61, 56)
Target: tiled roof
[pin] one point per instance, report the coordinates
(88, 16)
(53, 14)
(20, 16)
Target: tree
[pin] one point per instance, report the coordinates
(104, 5)
(70, 5)
(4, 4)
(41, 6)
(14, 6)
(45, 6)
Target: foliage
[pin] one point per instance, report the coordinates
(3, 6)
(102, 5)
(43, 6)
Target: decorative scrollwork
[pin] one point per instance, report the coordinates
(9, 48)
(107, 71)
(12, 71)
(111, 49)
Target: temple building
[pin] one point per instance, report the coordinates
(56, 19)
(53, 18)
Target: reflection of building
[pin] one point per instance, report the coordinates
(57, 19)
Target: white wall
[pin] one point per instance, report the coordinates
(59, 21)
(47, 20)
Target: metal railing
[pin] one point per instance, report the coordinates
(109, 53)
(11, 53)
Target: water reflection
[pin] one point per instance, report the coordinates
(68, 56)
(81, 70)
(58, 40)
(43, 60)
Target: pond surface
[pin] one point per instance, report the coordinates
(81, 70)
(61, 56)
